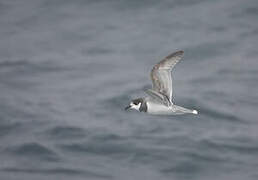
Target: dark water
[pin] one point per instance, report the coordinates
(68, 68)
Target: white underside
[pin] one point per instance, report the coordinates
(160, 109)
(155, 108)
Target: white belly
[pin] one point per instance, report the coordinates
(156, 108)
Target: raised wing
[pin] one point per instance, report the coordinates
(161, 75)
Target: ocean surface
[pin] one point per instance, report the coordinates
(68, 69)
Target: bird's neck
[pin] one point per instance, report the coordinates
(143, 107)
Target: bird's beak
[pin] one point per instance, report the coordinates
(128, 107)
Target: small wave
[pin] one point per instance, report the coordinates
(13, 63)
(34, 150)
(54, 171)
(97, 148)
(219, 115)
(66, 132)
(8, 128)
(197, 157)
(94, 51)
(28, 67)
(227, 146)
(183, 168)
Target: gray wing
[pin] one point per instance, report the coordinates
(161, 74)
(158, 97)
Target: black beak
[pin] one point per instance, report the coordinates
(127, 107)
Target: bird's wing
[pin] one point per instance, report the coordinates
(161, 74)
(158, 97)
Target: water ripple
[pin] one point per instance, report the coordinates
(61, 132)
(34, 150)
(54, 171)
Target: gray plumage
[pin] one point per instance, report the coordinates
(161, 74)
(159, 100)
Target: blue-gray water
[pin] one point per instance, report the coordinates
(68, 69)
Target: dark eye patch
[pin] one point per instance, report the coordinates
(137, 101)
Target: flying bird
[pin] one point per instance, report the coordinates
(159, 98)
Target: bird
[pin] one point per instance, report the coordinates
(159, 99)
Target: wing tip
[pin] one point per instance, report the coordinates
(180, 51)
(177, 53)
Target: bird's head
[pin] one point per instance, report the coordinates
(135, 104)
